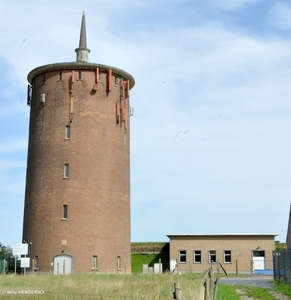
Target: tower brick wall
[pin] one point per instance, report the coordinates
(78, 161)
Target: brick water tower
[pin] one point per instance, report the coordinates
(77, 198)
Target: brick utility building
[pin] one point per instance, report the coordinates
(77, 199)
(246, 253)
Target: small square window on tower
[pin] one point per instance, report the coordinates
(65, 212)
(66, 170)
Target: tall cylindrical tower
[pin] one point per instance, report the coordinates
(77, 199)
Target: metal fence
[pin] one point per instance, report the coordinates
(2, 266)
(282, 265)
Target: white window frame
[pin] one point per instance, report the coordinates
(36, 262)
(227, 253)
(118, 263)
(197, 255)
(95, 262)
(68, 132)
(182, 256)
(212, 253)
(66, 170)
(65, 212)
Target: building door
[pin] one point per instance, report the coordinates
(63, 264)
(258, 260)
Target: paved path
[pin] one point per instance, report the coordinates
(263, 281)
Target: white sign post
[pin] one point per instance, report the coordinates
(19, 249)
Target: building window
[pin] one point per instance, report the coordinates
(43, 79)
(116, 81)
(227, 256)
(36, 262)
(68, 132)
(95, 262)
(79, 75)
(65, 211)
(99, 77)
(118, 263)
(60, 75)
(197, 257)
(66, 170)
(212, 256)
(182, 256)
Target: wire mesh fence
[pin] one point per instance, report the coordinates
(282, 265)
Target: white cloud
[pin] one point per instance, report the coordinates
(279, 15)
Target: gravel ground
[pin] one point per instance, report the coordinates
(263, 281)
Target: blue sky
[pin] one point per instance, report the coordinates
(211, 131)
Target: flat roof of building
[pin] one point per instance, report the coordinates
(222, 234)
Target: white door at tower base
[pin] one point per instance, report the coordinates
(63, 264)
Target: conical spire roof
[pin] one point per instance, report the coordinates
(83, 51)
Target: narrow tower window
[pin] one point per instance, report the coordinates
(118, 263)
(116, 81)
(68, 132)
(36, 262)
(99, 76)
(66, 170)
(95, 262)
(65, 211)
(43, 79)
(79, 75)
(60, 75)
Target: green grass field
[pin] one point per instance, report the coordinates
(134, 286)
(90, 286)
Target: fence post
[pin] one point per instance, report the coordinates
(285, 275)
(64, 267)
(211, 277)
(32, 265)
(236, 267)
(177, 291)
(215, 288)
(206, 289)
